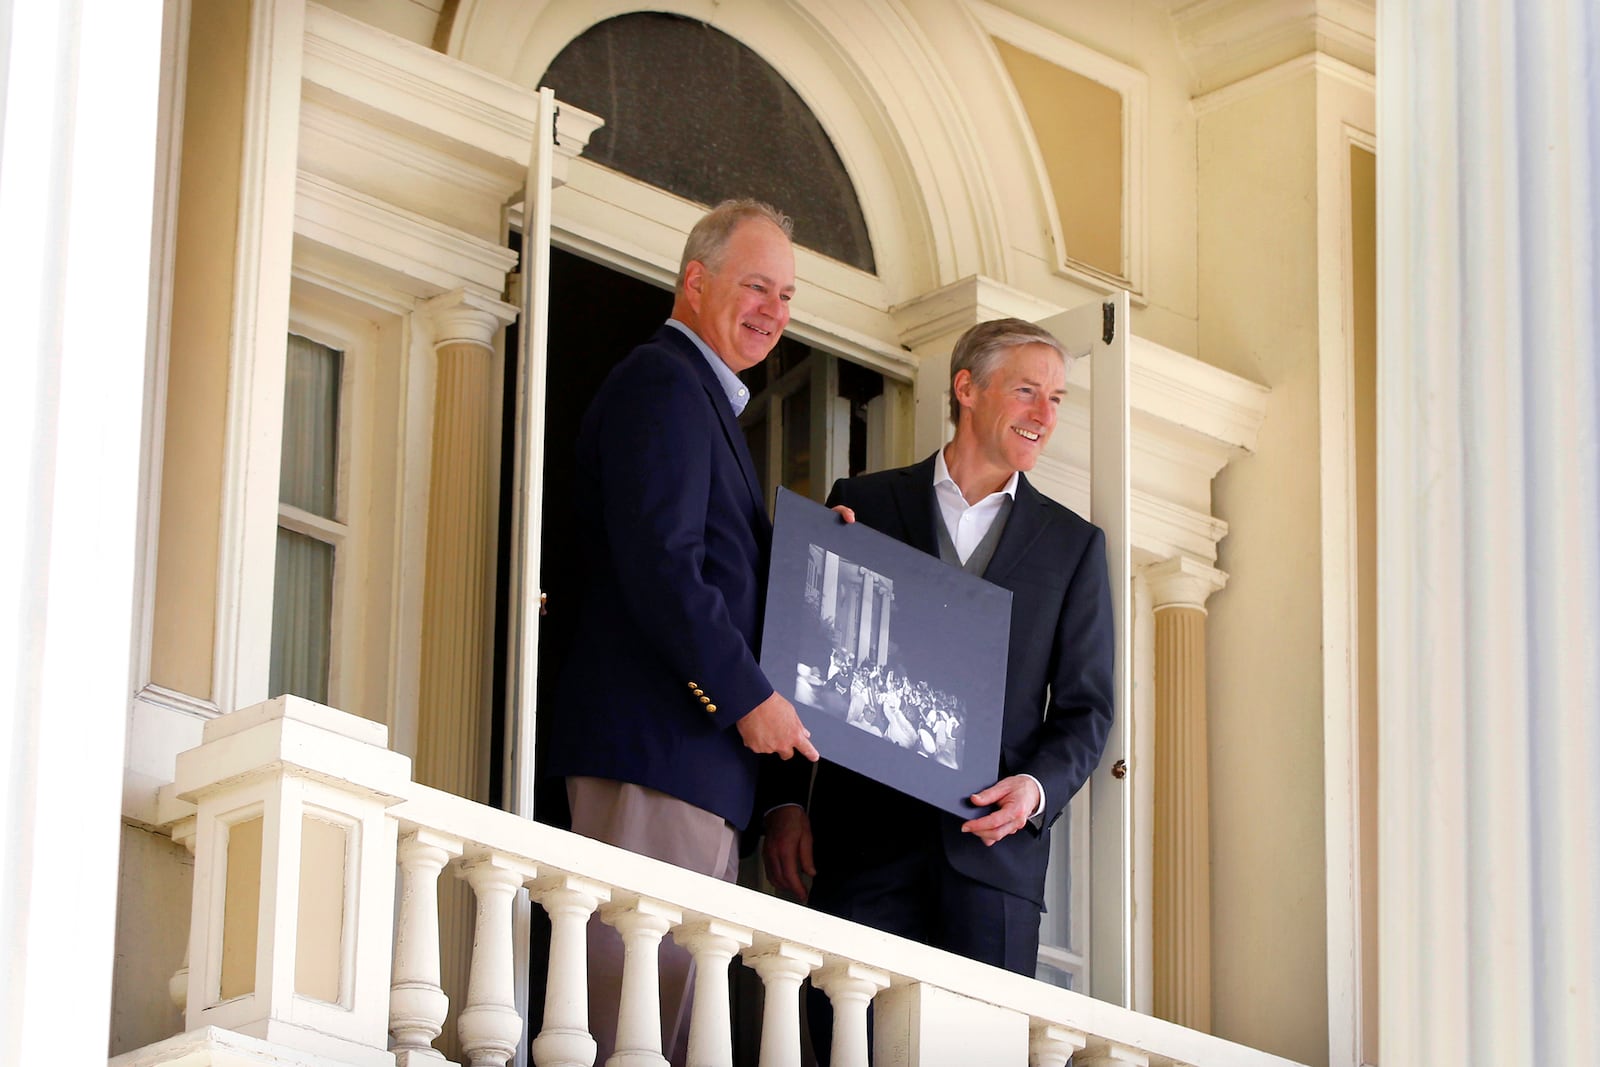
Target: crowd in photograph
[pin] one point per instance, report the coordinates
(886, 702)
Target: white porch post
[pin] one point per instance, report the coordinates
(79, 104)
(1489, 531)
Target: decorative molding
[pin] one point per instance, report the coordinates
(420, 256)
(1282, 74)
(1183, 582)
(463, 316)
(1187, 392)
(1226, 41)
(948, 310)
(1161, 529)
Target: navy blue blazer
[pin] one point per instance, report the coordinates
(1058, 700)
(663, 662)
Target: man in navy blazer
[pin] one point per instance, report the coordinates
(880, 857)
(662, 708)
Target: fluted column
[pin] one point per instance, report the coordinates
(1181, 884)
(1488, 531)
(458, 582)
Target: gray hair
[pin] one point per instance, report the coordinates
(708, 240)
(981, 348)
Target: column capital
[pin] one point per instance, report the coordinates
(466, 315)
(1183, 582)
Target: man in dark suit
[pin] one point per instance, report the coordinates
(882, 858)
(662, 707)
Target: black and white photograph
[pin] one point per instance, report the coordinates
(896, 660)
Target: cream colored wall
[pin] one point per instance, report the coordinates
(1258, 294)
(197, 375)
(154, 879)
(1138, 34)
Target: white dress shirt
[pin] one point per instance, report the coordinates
(968, 524)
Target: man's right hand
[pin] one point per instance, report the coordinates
(774, 726)
(786, 850)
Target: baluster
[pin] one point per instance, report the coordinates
(713, 944)
(641, 923)
(1107, 1054)
(1050, 1045)
(565, 1040)
(490, 1026)
(417, 1003)
(781, 966)
(850, 987)
(178, 985)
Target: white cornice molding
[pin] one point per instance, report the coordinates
(1186, 392)
(943, 313)
(1161, 528)
(435, 98)
(1226, 41)
(421, 257)
(1284, 72)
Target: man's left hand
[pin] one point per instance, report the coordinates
(1016, 796)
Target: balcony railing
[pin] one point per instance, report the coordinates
(338, 957)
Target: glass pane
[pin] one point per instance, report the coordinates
(1055, 976)
(309, 475)
(302, 617)
(669, 124)
(1055, 926)
(797, 440)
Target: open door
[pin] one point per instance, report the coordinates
(528, 466)
(1100, 331)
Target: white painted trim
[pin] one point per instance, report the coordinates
(1133, 86)
(426, 89)
(1340, 576)
(422, 257)
(163, 257)
(260, 320)
(1287, 71)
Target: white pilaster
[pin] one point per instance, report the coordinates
(1488, 532)
(77, 104)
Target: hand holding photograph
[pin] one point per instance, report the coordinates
(897, 661)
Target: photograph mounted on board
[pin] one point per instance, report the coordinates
(895, 661)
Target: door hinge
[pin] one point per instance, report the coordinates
(1108, 322)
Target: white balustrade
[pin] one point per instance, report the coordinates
(782, 967)
(642, 924)
(490, 1025)
(417, 1002)
(1052, 1046)
(565, 1040)
(713, 945)
(850, 987)
(932, 1008)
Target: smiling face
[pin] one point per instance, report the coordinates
(741, 307)
(1006, 421)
